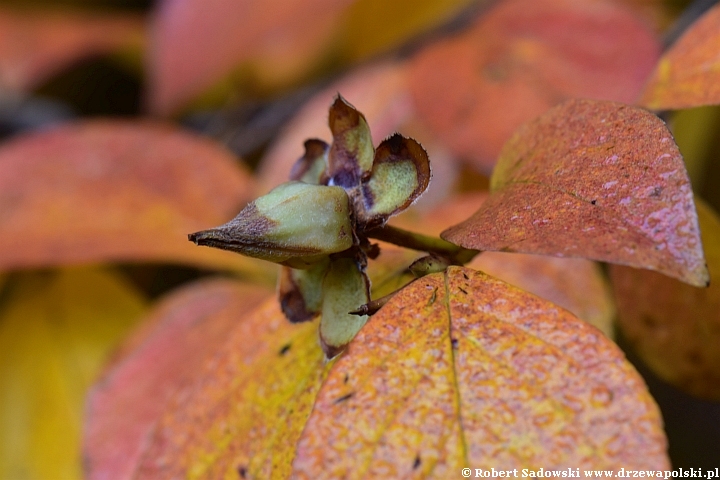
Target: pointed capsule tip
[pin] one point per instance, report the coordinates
(331, 351)
(199, 238)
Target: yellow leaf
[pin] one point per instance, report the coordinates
(695, 131)
(56, 330)
(463, 370)
(376, 26)
(244, 416)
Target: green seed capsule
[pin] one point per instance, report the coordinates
(295, 224)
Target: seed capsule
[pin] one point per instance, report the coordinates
(296, 224)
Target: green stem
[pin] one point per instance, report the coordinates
(416, 241)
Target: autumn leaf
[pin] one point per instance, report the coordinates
(166, 354)
(243, 416)
(592, 179)
(56, 331)
(575, 284)
(116, 191)
(195, 43)
(521, 58)
(37, 44)
(464, 370)
(688, 74)
(675, 328)
(437, 380)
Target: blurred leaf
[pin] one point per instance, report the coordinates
(168, 353)
(673, 327)
(376, 26)
(688, 74)
(244, 415)
(55, 333)
(592, 179)
(464, 370)
(196, 43)
(521, 58)
(659, 14)
(35, 45)
(696, 133)
(116, 191)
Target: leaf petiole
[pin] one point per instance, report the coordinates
(456, 255)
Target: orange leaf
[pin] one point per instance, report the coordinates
(36, 45)
(196, 43)
(688, 75)
(521, 58)
(111, 190)
(575, 284)
(673, 327)
(462, 370)
(592, 179)
(243, 417)
(166, 354)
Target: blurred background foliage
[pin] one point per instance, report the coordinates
(59, 326)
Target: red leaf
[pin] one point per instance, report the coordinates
(168, 354)
(111, 190)
(521, 58)
(196, 43)
(592, 179)
(36, 45)
(688, 75)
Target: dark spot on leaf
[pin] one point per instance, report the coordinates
(343, 398)
(285, 349)
(462, 290)
(594, 202)
(465, 276)
(695, 358)
(656, 192)
(433, 297)
(417, 462)
(242, 471)
(649, 321)
(454, 342)
(347, 377)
